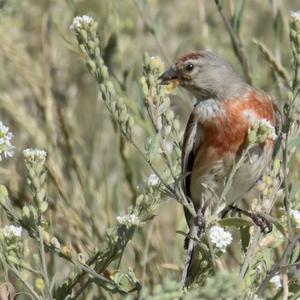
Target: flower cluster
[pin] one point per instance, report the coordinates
(84, 28)
(153, 180)
(295, 32)
(12, 231)
(35, 155)
(35, 162)
(80, 22)
(166, 141)
(10, 238)
(261, 131)
(220, 238)
(128, 220)
(6, 148)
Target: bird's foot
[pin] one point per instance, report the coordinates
(264, 225)
(259, 220)
(200, 223)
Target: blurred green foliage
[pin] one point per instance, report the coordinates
(50, 101)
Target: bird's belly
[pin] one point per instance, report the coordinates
(211, 176)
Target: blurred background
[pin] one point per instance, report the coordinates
(49, 101)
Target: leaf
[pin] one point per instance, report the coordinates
(236, 222)
(293, 143)
(182, 233)
(295, 255)
(245, 237)
(238, 15)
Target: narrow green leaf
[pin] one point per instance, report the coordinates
(236, 222)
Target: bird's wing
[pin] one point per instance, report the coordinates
(191, 143)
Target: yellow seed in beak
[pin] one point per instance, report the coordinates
(171, 86)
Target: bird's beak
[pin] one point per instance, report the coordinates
(169, 76)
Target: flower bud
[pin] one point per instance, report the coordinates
(55, 242)
(40, 284)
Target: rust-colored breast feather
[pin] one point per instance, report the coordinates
(228, 132)
(222, 137)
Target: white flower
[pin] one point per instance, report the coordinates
(255, 297)
(79, 22)
(153, 180)
(35, 154)
(12, 230)
(296, 217)
(271, 130)
(128, 220)
(295, 15)
(220, 237)
(6, 148)
(276, 282)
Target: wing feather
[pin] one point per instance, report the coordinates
(191, 143)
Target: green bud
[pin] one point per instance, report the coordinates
(130, 122)
(100, 61)
(36, 259)
(83, 35)
(293, 33)
(146, 59)
(97, 52)
(91, 66)
(43, 207)
(140, 199)
(170, 115)
(144, 86)
(93, 25)
(104, 72)
(41, 195)
(155, 63)
(36, 182)
(290, 96)
(176, 124)
(123, 116)
(13, 259)
(103, 88)
(91, 45)
(25, 212)
(110, 87)
(82, 48)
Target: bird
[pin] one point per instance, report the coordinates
(216, 132)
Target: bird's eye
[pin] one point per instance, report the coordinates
(189, 67)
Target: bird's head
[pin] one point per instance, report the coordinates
(205, 75)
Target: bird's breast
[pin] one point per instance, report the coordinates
(224, 129)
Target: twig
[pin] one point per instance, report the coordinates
(249, 253)
(187, 261)
(43, 260)
(236, 43)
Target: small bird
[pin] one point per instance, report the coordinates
(217, 129)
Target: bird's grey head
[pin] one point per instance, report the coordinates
(205, 75)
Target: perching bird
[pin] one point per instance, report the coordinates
(217, 129)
